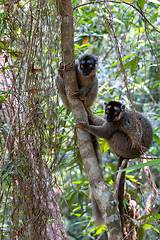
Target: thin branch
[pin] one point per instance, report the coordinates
(149, 178)
(154, 191)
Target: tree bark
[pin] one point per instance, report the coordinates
(106, 202)
(33, 194)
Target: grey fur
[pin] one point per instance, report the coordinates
(122, 135)
(88, 85)
(123, 140)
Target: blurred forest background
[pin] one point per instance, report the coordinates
(43, 184)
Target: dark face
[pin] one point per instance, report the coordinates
(87, 64)
(113, 110)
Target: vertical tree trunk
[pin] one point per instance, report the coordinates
(106, 202)
(32, 192)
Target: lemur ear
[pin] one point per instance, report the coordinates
(122, 108)
(96, 59)
(80, 58)
(105, 103)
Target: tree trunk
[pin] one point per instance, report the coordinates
(35, 212)
(106, 202)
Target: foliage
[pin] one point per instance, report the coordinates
(139, 47)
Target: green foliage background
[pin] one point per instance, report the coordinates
(138, 41)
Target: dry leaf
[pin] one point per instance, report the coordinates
(35, 70)
(34, 90)
(15, 7)
(85, 40)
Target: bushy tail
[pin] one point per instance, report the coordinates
(96, 212)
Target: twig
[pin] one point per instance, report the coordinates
(154, 191)
(149, 178)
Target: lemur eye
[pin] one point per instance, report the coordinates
(107, 111)
(82, 66)
(116, 113)
(90, 65)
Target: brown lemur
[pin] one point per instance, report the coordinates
(119, 128)
(86, 70)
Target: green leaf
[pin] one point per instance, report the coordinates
(85, 46)
(116, 99)
(135, 195)
(76, 46)
(86, 233)
(156, 216)
(104, 146)
(135, 222)
(155, 229)
(141, 4)
(1, 45)
(156, 84)
(150, 218)
(21, 173)
(134, 64)
(132, 178)
(128, 64)
(67, 196)
(140, 233)
(148, 226)
(157, 130)
(141, 165)
(145, 216)
(157, 139)
(71, 200)
(80, 183)
(73, 194)
(123, 59)
(80, 199)
(86, 193)
(100, 230)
